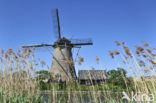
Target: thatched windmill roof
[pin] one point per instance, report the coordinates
(92, 74)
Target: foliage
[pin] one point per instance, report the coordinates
(118, 78)
(117, 81)
(43, 74)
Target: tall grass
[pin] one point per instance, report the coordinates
(140, 64)
(18, 83)
(16, 77)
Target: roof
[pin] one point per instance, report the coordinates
(92, 74)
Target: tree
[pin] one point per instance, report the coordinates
(117, 77)
(43, 75)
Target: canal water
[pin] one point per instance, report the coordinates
(84, 97)
(80, 97)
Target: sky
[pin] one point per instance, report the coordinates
(26, 22)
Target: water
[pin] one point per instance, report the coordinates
(78, 97)
(84, 97)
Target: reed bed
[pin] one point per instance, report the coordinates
(18, 83)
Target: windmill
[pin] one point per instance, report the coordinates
(62, 63)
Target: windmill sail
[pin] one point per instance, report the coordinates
(56, 24)
(34, 46)
(62, 63)
(79, 42)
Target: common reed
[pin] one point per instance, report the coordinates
(141, 66)
(18, 83)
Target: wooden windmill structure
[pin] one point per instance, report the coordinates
(62, 63)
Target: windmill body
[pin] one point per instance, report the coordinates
(62, 63)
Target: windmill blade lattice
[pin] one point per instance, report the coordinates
(40, 47)
(79, 42)
(34, 46)
(56, 24)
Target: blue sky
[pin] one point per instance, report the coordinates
(24, 22)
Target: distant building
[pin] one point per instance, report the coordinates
(92, 77)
